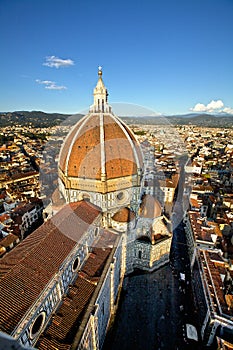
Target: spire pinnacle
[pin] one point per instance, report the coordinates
(100, 95)
(100, 71)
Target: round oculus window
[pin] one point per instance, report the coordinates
(75, 264)
(37, 324)
(120, 196)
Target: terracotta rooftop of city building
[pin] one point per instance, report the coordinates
(203, 230)
(21, 176)
(37, 258)
(170, 183)
(8, 240)
(194, 203)
(215, 284)
(23, 209)
(4, 217)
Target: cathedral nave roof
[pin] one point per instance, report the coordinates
(27, 269)
(65, 323)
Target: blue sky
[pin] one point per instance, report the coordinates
(171, 56)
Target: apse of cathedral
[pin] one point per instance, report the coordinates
(60, 286)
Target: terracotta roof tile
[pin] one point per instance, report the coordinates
(194, 203)
(8, 240)
(66, 321)
(96, 261)
(4, 217)
(212, 275)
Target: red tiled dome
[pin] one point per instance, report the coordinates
(124, 215)
(100, 143)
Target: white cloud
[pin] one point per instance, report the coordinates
(213, 106)
(50, 85)
(228, 110)
(55, 87)
(53, 61)
(45, 82)
(199, 107)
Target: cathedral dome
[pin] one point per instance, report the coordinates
(100, 145)
(100, 160)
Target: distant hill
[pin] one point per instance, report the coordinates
(207, 120)
(204, 120)
(35, 118)
(41, 119)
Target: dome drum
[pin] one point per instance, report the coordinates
(109, 202)
(99, 186)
